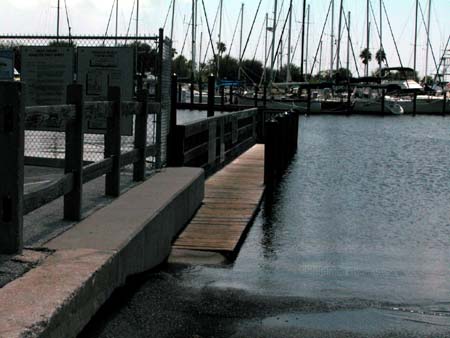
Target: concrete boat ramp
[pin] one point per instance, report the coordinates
(77, 271)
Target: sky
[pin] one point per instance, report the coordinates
(90, 17)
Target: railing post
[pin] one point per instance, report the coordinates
(140, 136)
(178, 156)
(349, 98)
(173, 123)
(74, 154)
(113, 143)
(256, 96)
(444, 103)
(212, 141)
(222, 140)
(222, 96)
(383, 98)
(270, 153)
(11, 170)
(265, 95)
(414, 103)
(308, 104)
(200, 92)
(211, 89)
(191, 90)
(179, 92)
(231, 95)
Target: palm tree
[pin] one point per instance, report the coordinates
(366, 57)
(221, 48)
(380, 56)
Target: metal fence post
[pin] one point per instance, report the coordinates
(256, 96)
(113, 143)
(140, 137)
(74, 154)
(11, 169)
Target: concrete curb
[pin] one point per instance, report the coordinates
(132, 234)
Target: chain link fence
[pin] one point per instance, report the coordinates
(151, 52)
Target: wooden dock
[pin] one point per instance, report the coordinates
(232, 198)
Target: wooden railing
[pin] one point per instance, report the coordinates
(212, 142)
(14, 119)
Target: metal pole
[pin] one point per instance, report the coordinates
(193, 21)
(303, 41)
(348, 46)
(220, 38)
(117, 20)
(137, 18)
(368, 34)
(272, 61)
(265, 49)
(332, 39)
(240, 42)
(338, 51)
(288, 70)
(415, 38)
(57, 21)
(428, 38)
(320, 56)
(381, 30)
(173, 20)
(307, 41)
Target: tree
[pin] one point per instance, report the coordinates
(365, 56)
(62, 43)
(221, 48)
(380, 56)
(180, 66)
(253, 70)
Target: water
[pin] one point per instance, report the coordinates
(362, 212)
(355, 239)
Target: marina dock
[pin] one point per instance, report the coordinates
(232, 198)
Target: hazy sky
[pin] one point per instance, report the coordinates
(91, 17)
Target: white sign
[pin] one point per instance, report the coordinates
(6, 64)
(100, 68)
(47, 71)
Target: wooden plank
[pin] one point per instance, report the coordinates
(232, 197)
(49, 193)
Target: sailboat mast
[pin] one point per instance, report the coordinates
(428, 38)
(332, 39)
(240, 41)
(220, 37)
(265, 49)
(272, 60)
(288, 69)
(368, 35)
(194, 22)
(381, 31)
(117, 20)
(415, 38)
(173, 20)
(348, 45)
(137, 18)
(57, 20)
(303, 41)
(307, 42)
(338, 51)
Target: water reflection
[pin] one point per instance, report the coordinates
(363, 212)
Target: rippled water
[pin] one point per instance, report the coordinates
(362, 213)
(354, 243)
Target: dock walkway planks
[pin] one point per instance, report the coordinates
(232, 198)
